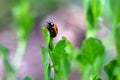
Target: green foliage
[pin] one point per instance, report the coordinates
(117, 41)
(60, 56)
(5, 53)
(93, 12)
(45, 59)
(27, 78)
(115, 64)
(109, 69)
(95, 77)
(115, 5)
(58, 51)
(23, 19)
(46, 35)
(113, 68)
(91, 48)
(91, 57)
(60, 59)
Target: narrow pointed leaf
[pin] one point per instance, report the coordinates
(45, 59)
(46, 35)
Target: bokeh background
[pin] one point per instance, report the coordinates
(70, 17)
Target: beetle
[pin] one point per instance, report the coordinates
(53, 29)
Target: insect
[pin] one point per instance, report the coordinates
(52, 29)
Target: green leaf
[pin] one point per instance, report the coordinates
(23, 19)
(64, 68)
(91, 57)
(87, 72)
(98, 63)
(117, 42)
(61, 59)
(69, 47)
(46, 35)
(91, 49)
(93, 12)
(117, 72)
(45, 59)
(58, 51)
(4, 52)
(95, 77)
(90, 17)
(115, 5)
(109, 69)
(27, 78)
(65, 63)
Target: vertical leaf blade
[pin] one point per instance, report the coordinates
(4, 52)
(45, 59)
(46, 35)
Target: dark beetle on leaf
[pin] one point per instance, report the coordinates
(52, 29)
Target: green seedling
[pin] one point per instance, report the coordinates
(59, 55)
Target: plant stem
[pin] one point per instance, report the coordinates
(91, 33)
(117, 40)
(51, 44)
(20, 53)
(117, 43)
(51, 47)
(55, 72)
